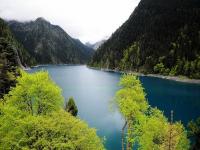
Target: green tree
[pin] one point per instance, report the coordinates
(150, 130)
(159, 68)
(131, 102)
(153, 131)
(71, 107)
(131, 58)
(35, 93)
(147, 127)
(194, 132)
(58, 130)
(32, 117)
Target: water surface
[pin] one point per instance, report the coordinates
(93, 91)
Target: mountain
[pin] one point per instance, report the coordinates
(96, 45)
(49, 44)
(159, 37)
(13, 55)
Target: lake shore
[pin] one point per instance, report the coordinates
(173, 78)
(44, 65)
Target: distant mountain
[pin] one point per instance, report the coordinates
(13, 55)
(49, 44)
(96, 45)
(159, 37)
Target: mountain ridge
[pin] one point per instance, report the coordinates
(155, 39)
(49, 44)
(95, 45)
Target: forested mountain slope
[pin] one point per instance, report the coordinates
(159, 37)
(12, 56)
(49, 44)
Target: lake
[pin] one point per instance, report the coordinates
(93, 91)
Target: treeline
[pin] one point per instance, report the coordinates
(159, 37)
(13, 55)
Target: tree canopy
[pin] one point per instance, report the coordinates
(71, 107)
(147, 127)
(32, 117)
(194, 132)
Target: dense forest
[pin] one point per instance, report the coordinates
(49, 44)
(159, 37)
(13, 55)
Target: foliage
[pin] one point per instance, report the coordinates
(58, 130)
(71, 107)
(8, 67)
(131, 58)
(12, 56)
(32, 117)
(157, 29)
(194, 132)
(159, 68)
(147, 127)
(155, 132)
(35, 94)
(131, 98)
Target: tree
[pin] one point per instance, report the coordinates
(8, 66)
(12, 56)
(176, 136)
(150, 130)
(35, 94)
(147, 127)
(32, 117)
(194, 132)
(131, 102)
(71, 107)
(131, 57)
(58, 130)
(159, 68)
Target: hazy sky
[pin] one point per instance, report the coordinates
(88, 20)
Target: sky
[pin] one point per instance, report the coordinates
(87, 20)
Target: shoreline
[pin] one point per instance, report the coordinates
(172, 78)
(45, 65)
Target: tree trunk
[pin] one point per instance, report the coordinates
(123, 134)
(128, 143)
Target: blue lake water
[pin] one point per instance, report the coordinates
(93, 91)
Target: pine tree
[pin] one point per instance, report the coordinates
(71, 107)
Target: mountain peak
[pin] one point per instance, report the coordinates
(50, 44)
(41, 19)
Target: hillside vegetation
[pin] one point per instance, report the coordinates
(159, 37)
(13, 55)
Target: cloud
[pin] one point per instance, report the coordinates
(88, 20)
